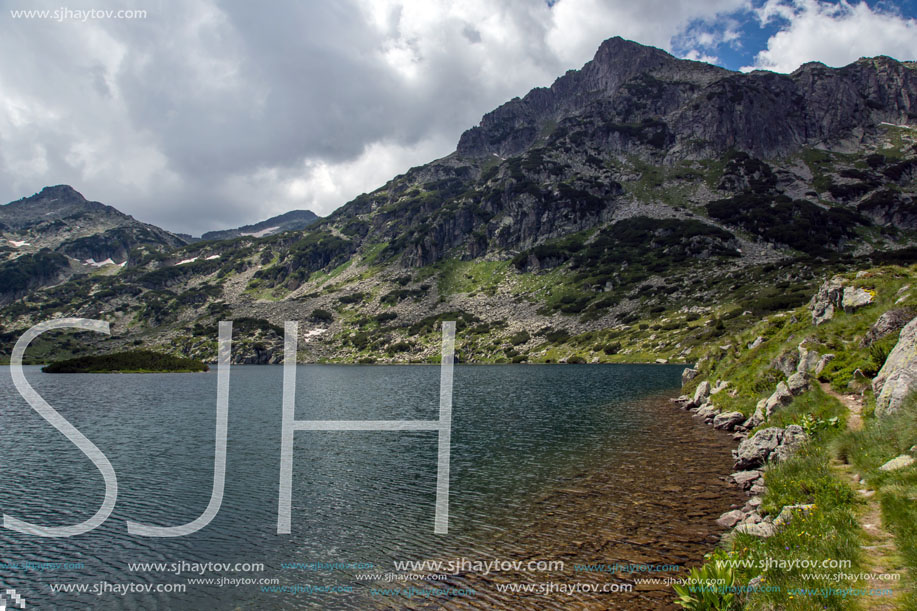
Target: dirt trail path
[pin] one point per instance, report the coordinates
(881, 553)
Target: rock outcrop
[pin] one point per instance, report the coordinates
(890, 322)
(898, 376)
(835, 295)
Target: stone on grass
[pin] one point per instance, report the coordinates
(899, 462)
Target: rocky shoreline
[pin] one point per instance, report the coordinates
(773, 444)
(757, 452)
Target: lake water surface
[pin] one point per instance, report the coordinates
(579, 464)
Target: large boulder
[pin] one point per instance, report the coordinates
(829, 297)
(898, 376)
(754, 451)
(855, 298)
(888, 323)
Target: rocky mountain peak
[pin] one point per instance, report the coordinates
(62, 191)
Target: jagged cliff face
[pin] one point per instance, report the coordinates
(704, 110)
(593, 148)
(641, 187)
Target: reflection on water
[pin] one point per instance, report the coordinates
(548, 462)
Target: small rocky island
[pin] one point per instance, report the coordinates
(134, 361)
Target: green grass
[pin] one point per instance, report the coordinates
(868, 449)
(832, 530)
(471, 276)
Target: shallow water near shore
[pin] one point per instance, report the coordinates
(577, 464)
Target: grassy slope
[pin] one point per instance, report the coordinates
(832, 530)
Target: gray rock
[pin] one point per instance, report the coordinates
(786, 363)
(898, 376)
(762, 529)
(830, 295)
(793, 437)
(758, 489)
(781, 397)
(790, 511)
(758, 341)
(730, 518)
(890, 322)
(898, 463)
(754, 451)
(684, 401)
(721, 385)
(746, 479)
(808, 359)
(758, 417)
(823, 362)
(728, 420)
(753, 504)
(752, 517)
(702, 392)
(688, 374)
(797, 383)
(707, 411)
(752, 422)
(856, 298)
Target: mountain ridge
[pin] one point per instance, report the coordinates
(646, 200)
(288, 221)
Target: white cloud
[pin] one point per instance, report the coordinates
(835, 34)
(209, 114)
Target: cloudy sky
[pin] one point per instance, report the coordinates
(202, 114)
